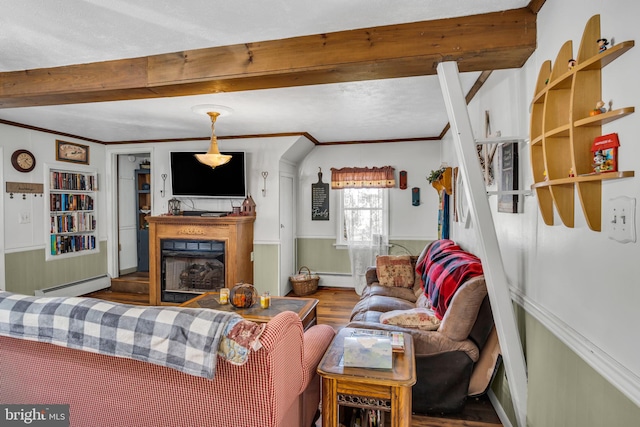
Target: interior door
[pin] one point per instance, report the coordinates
(287, 242)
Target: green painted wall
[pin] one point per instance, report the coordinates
(266, 265)
(563, 389)
(322, 256)
(27, 271)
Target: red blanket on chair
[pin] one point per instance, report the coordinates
(443, 269)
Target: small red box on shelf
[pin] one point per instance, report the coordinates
(605, 153)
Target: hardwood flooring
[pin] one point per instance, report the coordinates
(334, 308)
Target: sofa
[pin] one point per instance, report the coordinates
(457, 355)
(276, 386)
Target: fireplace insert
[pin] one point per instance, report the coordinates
(190, 268)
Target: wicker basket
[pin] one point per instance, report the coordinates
(304, 283)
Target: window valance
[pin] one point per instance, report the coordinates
(363, 177)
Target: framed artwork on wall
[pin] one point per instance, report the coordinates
(72, 152)
(508, 178)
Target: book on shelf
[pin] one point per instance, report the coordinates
(397, 338)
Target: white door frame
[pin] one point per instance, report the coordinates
(111, 170)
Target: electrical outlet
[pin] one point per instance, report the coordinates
(622, 219)
(25, 218)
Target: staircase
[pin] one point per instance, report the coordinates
(129, 289)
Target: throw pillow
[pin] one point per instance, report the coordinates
(395, 270)
(239, 338)
(421, 318)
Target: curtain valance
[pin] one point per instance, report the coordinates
(363, 177)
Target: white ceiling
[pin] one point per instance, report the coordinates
(41, 34)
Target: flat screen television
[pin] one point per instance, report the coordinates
(190, 178)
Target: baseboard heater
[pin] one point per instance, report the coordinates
(336, 280)
(75, 289)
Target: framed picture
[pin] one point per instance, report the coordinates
(72, 152)
(508, 167)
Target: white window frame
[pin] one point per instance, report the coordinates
(341, 240)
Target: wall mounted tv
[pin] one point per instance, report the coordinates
(190, 178)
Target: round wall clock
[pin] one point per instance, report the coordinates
(23, 160)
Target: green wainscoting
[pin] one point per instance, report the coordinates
(28, 271)
(321, 255)
(266, 265)
(563, 389)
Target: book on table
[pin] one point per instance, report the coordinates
(397, 338)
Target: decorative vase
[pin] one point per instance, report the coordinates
(243, 295)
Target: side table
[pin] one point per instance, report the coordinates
(388, 390)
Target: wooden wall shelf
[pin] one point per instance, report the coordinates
(562, 130)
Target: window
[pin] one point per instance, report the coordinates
(363, 215)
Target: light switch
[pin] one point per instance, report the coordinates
(622, 219)
(25, 218)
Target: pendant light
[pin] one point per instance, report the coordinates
(213, 158)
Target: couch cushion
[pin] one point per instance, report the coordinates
(381, 304)
(463, 309)
(395, 270)
(421, 318)
(389, 291)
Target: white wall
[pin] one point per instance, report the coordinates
(26, 236)
(406, 221)
(579, 283)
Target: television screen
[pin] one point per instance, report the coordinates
(189, 177)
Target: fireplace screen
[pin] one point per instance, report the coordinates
(191, 267)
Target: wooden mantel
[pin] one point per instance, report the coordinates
(235, 231)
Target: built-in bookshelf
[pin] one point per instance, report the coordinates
(71, 212)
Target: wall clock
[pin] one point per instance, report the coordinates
(23, 160)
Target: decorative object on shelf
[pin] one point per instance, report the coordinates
(174, 206)
(403, 180)
(571, 63)
(441, 179)
(213, 157)
(243, 295)
(145, 164)
(600, 108)
(602, 44)
(72, 152)
(605, 153)
(415, 196)
(164, 182)
(320, 199)
(265, 174)
(146, 186)
(249, 206)
(23, 160)
(563, 129)
(24, 188)
(435, 175)
(304, 283)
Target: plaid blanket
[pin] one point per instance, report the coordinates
(443, 270)
(185, 339)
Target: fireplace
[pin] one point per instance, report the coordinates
(190, 267)
(189, 255)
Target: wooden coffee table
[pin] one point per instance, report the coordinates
(388, 390)
(305, 308)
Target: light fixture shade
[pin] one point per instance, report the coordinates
(213, 158)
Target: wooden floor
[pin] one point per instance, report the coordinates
(334, 308)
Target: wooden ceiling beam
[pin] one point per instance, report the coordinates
(480, 42)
